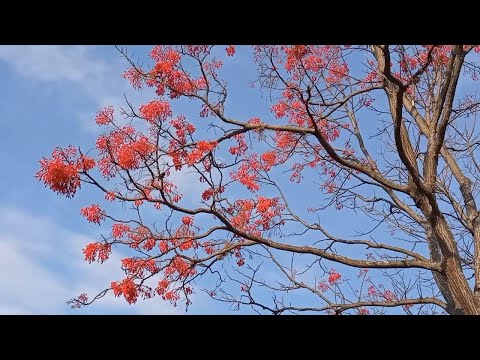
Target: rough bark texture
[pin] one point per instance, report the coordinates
(451, 279)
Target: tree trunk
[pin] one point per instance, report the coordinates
(452, 281)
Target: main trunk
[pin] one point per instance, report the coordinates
(451, 281)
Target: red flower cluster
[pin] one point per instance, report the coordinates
(93, 213)
(156, 110)
(78, 302)
(162, 286)
(207, 194)
(269, 159)
(363, 311)
(372, 291)
(127, 288)
(334, 277)
(247, 173)
(61, 172)
(179, 266)
(168, 75)
(136, 267)
(241, 147)
(202, 148)
(134, 76)
(295, 54)
(119, 230)
(187, 220)
(323, 286)
(122, 147)
(389, 296)
(105, 116)
(97, 252)
(230, 50)
(264, 204)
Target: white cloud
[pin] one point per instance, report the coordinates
(42, 266)
(53, 63)
(98, 77)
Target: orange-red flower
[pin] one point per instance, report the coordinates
(60, 173)
(93, 213)
(156, 110)
(230, 50)
(334, 277)
(105, 116)
(97, 252)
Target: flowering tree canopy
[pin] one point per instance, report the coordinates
(382, 138)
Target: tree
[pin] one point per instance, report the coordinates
(381, 138)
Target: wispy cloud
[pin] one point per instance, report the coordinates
(41, 267)
(98, 78)
(54, 63)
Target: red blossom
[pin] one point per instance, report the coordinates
(269, 159)
(105, 116)
(127, 288)
(363, 311)
(230, 50)
(149, 243)
(187, 220)
(110, 196)
(207, 194)
(130, 154)
(85, 163)
(264, 204)
(323, 286)
(135, 78)
(247, 173)
(119, 230)
(202, 148)
(334, 277)
(79, 301)
(162, 286)
(185, 245)
(60, 173)
(156, 110)
(295, 54)
(389, 296)
(93, 213)
(241, 147)
(97, 252)
(372, 291)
